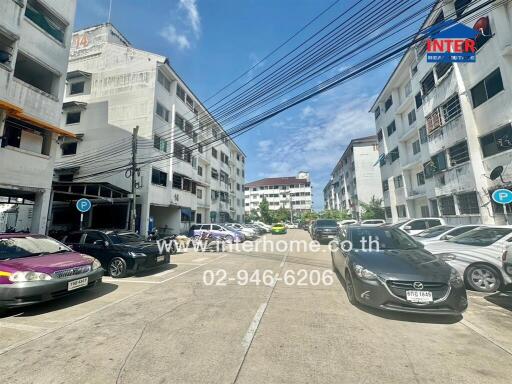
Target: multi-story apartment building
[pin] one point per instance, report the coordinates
(184, 178)
(293, 193)
(443, 128)
(34, 49)
(353, 178)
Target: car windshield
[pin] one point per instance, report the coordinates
(19, 247)
(124, 237)
(481, 237)
(435, 231)
(381, 239)
(326, 223)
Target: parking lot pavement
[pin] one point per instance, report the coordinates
(196, 321)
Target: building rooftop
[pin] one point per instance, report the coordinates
(289, 180)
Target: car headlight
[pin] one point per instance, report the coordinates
(24, 276)
(364, 273)
(136, 254)
(456, 279)
(95, 262)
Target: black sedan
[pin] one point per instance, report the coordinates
(120, 252)
(385, 268)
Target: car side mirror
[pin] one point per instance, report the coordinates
(407, 228)
(447, 237)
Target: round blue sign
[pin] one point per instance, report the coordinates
(83, 205)
(502, 196)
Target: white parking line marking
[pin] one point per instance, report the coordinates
(200, 259)
(111, 280)
(249, 335)
(163, 273)
(480, 332)
(193, 269)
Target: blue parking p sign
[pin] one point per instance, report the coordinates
(502, 196)
(83, 205)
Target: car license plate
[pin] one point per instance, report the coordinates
(160, 258)
(419, 296)
(330, 236)
(78, 283)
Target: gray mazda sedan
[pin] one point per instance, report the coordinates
(385, 268)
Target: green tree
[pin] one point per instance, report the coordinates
(335, 214)
(281, 215)
(252, 216)
(264, 211)
(373, 209)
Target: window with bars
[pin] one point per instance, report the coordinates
(447, 206)
(182, 153)
(468, 203)
(459, 153)
(451, 109)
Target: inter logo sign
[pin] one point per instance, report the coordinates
(451, 42)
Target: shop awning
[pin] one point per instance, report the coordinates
(17, 112)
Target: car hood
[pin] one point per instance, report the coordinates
(406, 265)
(146, 247)
(46, 263)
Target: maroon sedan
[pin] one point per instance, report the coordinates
(36, 268)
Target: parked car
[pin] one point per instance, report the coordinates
(477, 256)
(120, 252)
(325, 230)
(442, 232)
(230, 235)
(292, 225)
(415, 226)
(259, 230)
(278, 229)
(249, 233)
(398, 275)
(506, 259)
(304, 225)
(347, 222)
(261, 224)
(373, 222)
(37, 268)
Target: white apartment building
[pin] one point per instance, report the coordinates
(353, 179)
(113, 87)
(35, 40)
(291, 192)
(443, 128)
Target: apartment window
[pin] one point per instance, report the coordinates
(428, 83)
(424, 211)
(76, 88)
(459, 153)
(162, 111)
(416, 148)
(69, 148)
(411, 116)
(180, 92)
(442, 69)
(35, 74)
(177, 181)
(379, 135)
(447, 206)
(391, 128)
(200, 170)
(388, 213)
(460, 6)
(182, 153)
(420, 178)
(179, 121)
(451, 109)
(158, 177)
(400, 210)
(434, 121)
(434, 208)
(189, 101)
(194, 137)
(238, 172)
(199, 193)
(419, 100)
(439, 162)
(45, 20)
(428, 169)
(399, 181)
(73, 117)
(385, 185)
(388, 103)
(214, 152)
(224, 178)
(160, 143)
(188, 128)
(484, 26)
(395, 154)
(377, 113)
(497, 141)
(423, 135)
(215, 174)
(468, 203)
(487, 88)
(237, 186)
(224, 158)
(164, 81)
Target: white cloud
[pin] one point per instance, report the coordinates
(185, 19)
(172, 36)
(190, 7)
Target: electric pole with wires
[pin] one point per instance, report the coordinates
(133, 172)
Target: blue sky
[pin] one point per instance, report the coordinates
(211, 42)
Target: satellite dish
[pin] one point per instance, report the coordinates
(496, 173)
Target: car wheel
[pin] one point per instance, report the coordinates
(117, 268)
(229, 239)
(349, 288)
(483, 278)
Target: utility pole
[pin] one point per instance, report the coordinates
(133, 214)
